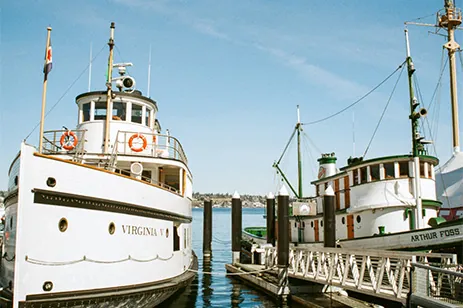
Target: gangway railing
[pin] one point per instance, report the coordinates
(436, 287)
(380, 273)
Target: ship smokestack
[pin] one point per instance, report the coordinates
(327, 165)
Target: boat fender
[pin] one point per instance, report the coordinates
(137, 136)
(65, 140)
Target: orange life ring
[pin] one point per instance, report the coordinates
(66, 142)
(138, 136)
(154, 138)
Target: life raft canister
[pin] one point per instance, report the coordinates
(68, 140)
(137, 136)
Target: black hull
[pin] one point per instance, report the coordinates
(136, 296)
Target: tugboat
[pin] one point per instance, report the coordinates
(381, 203)
(99, 215)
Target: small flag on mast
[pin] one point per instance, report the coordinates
(48, 60)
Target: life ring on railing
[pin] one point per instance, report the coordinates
(137, 136)
(68, 140)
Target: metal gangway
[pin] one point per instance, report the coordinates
(380, 273)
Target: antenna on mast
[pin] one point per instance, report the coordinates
(149, 72)
(90, 69)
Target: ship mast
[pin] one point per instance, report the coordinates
(450, 21)
(109, 87)
(299, 158)
(417, 147)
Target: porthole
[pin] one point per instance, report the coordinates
(343, 220)
(321, 223)
(167, 232)
(295, 225)
(112, 228)
(311, 224)
(63, 224)
(47, 286)
(51, 182)
(359, 219)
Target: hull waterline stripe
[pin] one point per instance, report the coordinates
(84, 202)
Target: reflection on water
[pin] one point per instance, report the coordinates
(218, 290)
(207, 281)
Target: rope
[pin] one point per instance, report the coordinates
(357, 101)
(84, 258)
(419, 18)
(384, 111)
(65, 92)
(230, 274)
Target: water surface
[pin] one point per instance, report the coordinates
(218, 290)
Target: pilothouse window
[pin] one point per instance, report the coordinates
(389, 170)
(136, 113)
(403, 168)
(100, 111)
(86, 112)
(119, 111)
(147, 117)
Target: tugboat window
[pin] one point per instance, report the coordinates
(86, 112)
(359, 219)
(403, 169)
(119, 111)
(136, 113)
(356, 176)
(389, 170)
(374, 172)
(363, 175)
(422, 169)
(100, 111)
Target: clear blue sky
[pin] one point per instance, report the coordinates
(227, 76)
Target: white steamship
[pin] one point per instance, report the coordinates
(99, 216)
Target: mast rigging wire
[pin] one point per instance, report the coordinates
(359, 100)
(65, 92)
(286, 147)
(384, 111)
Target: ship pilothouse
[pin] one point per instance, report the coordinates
(136, 146)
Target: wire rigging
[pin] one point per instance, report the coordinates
(384, 111)
(359, 100)
(286, 147)
(65, 92)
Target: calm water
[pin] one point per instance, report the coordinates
(218, 290)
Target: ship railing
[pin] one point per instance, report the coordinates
(381, 273)
(148, 180)
(434, 287)
(54, 142)
(157, 145)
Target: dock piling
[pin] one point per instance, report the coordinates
(236, 228)
(329, 216)
(207, 229)
(283, 244)
(271, 219)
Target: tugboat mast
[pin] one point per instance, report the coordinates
(109, 87)
(299, 156)
(450, 21)
(417, 147)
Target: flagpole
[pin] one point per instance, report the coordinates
(44, 92)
